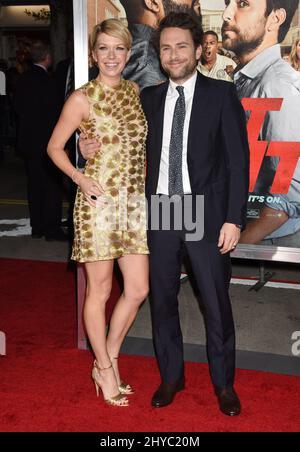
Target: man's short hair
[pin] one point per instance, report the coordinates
(290, 7)
(184, 21)
(39, 51)
(211, 32)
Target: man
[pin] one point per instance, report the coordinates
(64, 77)
(4, 109)
(253, 30)
(143, 17)
(212, 64)
(37, 108)
(197, 145)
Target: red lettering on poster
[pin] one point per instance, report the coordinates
(289, 153)
(258, 148)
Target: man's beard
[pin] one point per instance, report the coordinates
(171, 7)
(184, 74)
(240, 45)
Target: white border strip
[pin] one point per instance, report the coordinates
(81, 43)
(267, 253)
(275, 285)
(81, 47)
(252, 282)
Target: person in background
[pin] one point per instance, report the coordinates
(212, 64)
(108, 110)
(4, 108)
(37, 109)
(253, 31)
(64, 77)
(64, 74)
(294, 58)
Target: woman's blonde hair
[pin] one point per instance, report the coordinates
(294, 61)
(112, 27)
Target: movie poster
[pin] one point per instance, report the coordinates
(258, 49)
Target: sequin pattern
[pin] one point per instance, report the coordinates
(118, 123)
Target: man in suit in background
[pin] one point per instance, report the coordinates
(64, 74)
(64, 77)
(197, 145)
(37, 109)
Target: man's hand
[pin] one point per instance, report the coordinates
(229, 238)
(88, 147)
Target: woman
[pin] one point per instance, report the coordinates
(295, 55)
(108, 109)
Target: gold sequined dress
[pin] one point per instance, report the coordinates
(117, 225)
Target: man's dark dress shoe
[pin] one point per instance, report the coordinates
(166, 392)
(228, 401)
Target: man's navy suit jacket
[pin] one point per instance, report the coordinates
(218, 150)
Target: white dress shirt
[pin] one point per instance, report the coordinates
(171, 99)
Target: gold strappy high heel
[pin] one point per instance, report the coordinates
(124, 388)
(119, 399)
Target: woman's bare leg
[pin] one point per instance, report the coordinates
(135, 271)
(99, 283)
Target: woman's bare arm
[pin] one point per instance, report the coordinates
(74, 112)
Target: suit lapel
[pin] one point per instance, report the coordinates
(199, 111)
(159, 115)
(199, 108)
(40, 70)
(197, 121)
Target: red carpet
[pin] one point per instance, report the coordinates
(45, 382)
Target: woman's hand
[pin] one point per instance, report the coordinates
(91, 189)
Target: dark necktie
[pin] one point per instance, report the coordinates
(176, 146)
